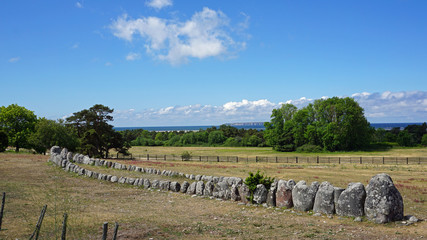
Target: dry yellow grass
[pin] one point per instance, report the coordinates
(30, 182)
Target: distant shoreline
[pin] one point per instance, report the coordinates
(252, 125)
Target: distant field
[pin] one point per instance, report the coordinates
(267, 151)
(30, 182)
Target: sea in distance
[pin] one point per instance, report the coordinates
(251, 125)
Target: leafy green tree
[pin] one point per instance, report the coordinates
(50, 133)
(216, 137)
(188, 138)
(278, 134)
(4, 141)
(406, 139)
(417, 131)
(18, 123)
(96, 135)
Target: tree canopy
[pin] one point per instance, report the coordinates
(97, 137)
(333, 124)
(18, 123)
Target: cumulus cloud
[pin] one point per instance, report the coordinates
(159, 4)
(133, 56)
(108, 64)
(79, 5)
(205, 34)
(14, 59)
(379, 107)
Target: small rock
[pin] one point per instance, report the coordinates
(357, 219)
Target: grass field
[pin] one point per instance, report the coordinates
(30, 182)
(268, 151)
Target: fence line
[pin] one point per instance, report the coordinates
(280, 159)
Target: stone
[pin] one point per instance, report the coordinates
(164, 185)
(147, 183)
(200, 186)
(303, 196)
(383, 202)
(209, 187)
(175, 186)
(222, 191)
(192, 188)
(114, 179)
(155, 184)
(122, 180)
(235, 192)
(130, 181)
(69, 156)
(198, 177)
(337, 193)
(184, 187)
(284, 193)
(351, 201)
(55, 150)
(271, 195)
(260, 194)
(324, 201)
(357, 219)
(244, 193)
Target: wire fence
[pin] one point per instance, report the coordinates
(281, 159)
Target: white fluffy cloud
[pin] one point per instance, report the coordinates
(79, 5)
(14, 59)
(159, 4)
(379, 107)
(205, 34)
(133, 56)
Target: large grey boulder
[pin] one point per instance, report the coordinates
(383, 201)
(200, 186)
(55, 150)
(303, 195)
(351, 201)
(271, 195)
(284, 193)
(164, 185)
(324, 201)
(209, 187)
(337, 194)
(175, 186)
(64, 153)
(184, 187)
(260, 194)
(114, 179)
(192, 188)
(244, 193)
(235, 192)
(222, 190)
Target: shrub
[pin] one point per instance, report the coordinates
(309, 148)
(186, 156)
(254, 179)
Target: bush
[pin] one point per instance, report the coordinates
(4, 141)
(424, 140)
(254, 179)
(285, 148)
(309, 148)
(186, 156)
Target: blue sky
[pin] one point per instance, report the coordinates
(198, 62)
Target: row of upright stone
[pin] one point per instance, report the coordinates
(380, 202)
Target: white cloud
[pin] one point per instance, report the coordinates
(75, 46)
(108, 64)
(14, 59)
(204, 35)
(159, 4)
(133, 56)
(79, 5)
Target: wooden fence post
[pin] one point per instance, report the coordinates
(383, 160)
(36, 232)
(2, 208)
(296, 159)
(317, 159)
(148, 156)
(339, 160)
(276, 159)
(64, 227)
(237, 159)
(407, 160)
(360, 160)
(217, 158)
(105, 231)
(116, 228)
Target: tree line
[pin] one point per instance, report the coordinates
(87, 131)
(334, 124)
